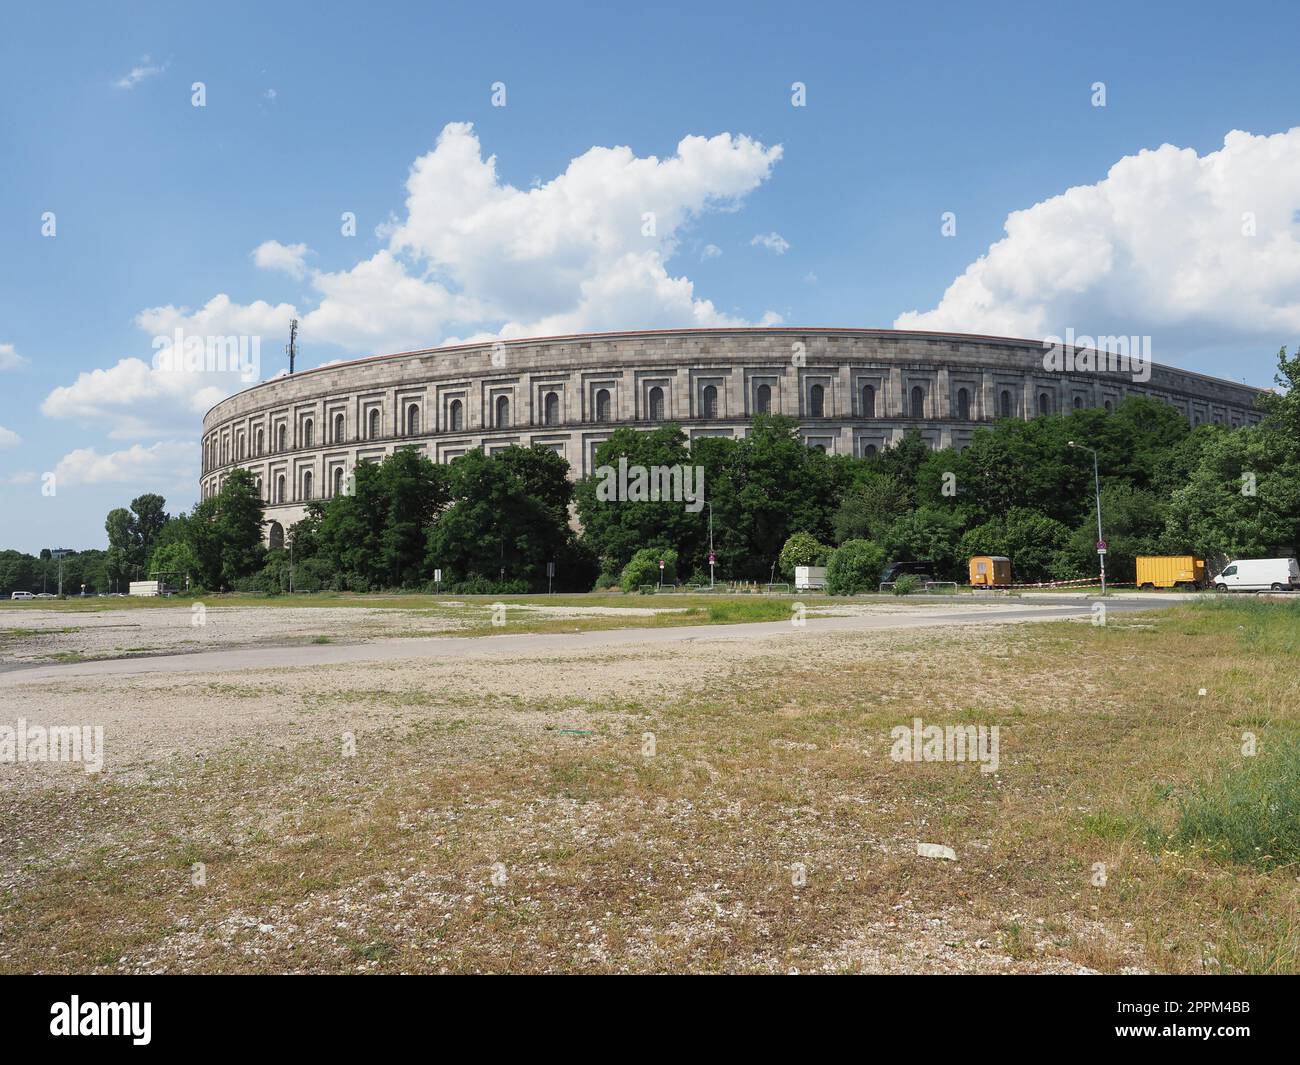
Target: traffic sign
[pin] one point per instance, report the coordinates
(1101, 547)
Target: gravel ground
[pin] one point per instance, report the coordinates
(37, 635)
(182, 735)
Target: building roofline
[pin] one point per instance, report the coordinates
(697, 331)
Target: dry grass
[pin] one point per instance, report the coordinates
(500, 827)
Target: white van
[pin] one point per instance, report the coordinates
(22, 595)
(1258, 574)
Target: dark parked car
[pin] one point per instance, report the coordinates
(921, 570)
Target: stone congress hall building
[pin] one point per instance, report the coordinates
(853, 391)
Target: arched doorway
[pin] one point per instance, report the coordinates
(275, 536)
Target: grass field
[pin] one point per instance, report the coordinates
(706, 807)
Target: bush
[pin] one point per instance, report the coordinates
(605, 581)
(907, 584)
(644, 568)
(802, 549)
(854, 567)
(476, 585)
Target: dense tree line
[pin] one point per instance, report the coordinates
(1020, 489)
(496, 523)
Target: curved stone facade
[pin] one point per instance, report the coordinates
(853, 391)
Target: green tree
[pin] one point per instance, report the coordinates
(763, 488)
(802, 549)
(643, 569)
(854, 567)
(177, 563)
(1034, 542)
(504, 522)
(17, 573)
(411, 491)
(929, 534)
(871, 503)
(615, 529)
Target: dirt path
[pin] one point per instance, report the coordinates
(246, 658)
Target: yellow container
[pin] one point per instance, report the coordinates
(990, 571)
(1169, 571)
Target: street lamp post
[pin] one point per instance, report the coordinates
(711, 555)
(1096, 482)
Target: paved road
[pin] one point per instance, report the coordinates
(235, 660)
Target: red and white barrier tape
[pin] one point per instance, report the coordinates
(1082, 580)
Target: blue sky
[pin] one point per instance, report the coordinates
(317, 109)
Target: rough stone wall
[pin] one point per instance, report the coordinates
(445, 401)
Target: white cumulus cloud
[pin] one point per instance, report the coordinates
(586, 250)
(1195, 251)
(287, 258)
(8, 438)
(473, 257)
(773, 242)
(10, 359)
(163, 396)
(170, 462)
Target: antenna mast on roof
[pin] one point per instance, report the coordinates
(292, 346)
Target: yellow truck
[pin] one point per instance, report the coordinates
(1170, 571)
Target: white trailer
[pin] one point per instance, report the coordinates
(146, 588)
(809, 578)
(1258, 575)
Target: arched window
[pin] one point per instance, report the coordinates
(259, 488)
(374, 423)
(870, 450)
(602, 405)
(551, 409)
(710, 401)
(763, 399)
(963, 404)
(656, 404)
(306, 484)
(279, 489)
(338, 428)
(412, 420)
(1107, 406)
(279, 437)
(503, 412)
(1044, 403)
(306, 433)
(261, 441)
(918, 401)
(817, 401)
(868, 401)
(276, 536)
(1005, 403)
(338, 480)
(240, 445)
(456, 416)
(1078, 403)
